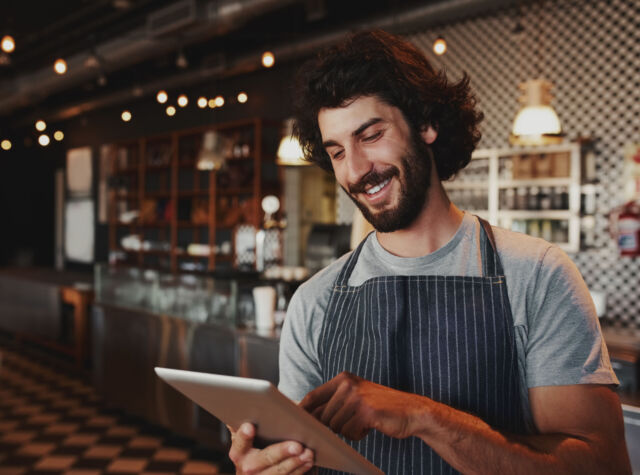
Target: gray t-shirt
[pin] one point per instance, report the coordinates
(558, 337)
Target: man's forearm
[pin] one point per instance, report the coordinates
(471, 446)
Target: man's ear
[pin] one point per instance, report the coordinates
(429, 135)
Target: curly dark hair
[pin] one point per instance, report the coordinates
(376, 63)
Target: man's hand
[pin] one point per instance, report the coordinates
(352, 406)
(282, 458)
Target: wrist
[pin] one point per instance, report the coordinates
(421, 421)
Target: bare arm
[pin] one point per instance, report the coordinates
(581, 428)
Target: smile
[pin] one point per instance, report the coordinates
(378, 187)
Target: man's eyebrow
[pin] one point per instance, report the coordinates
(355, 133)
(365, 126)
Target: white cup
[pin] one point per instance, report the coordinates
(264, 299)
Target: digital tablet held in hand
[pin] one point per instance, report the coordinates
(236, 400)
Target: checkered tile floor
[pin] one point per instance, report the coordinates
(52, 423)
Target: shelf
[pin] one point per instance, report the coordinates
(535, 182)
(193, 193)
(462, 185)
(126, 196)
(157, 167)
(230, 191)
(126, 170)
(157, 194)
(191, 224)
(154, 224)
(536, 214)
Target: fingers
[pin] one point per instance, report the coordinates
(281, 458)
(354, 429)
(241, 442)
(338, 402)
(293, 465)
(320, 395)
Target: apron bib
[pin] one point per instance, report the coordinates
(449, 338)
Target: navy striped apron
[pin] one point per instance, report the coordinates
(449, 338)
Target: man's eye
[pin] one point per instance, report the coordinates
(371, 138)
(337, 155)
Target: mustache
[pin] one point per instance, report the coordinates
(373, 178)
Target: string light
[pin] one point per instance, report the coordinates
(212, 103)
(58, 135)
(202, 102)
(242, 97)
(6, 144)
(8, 44)
(60, 66)
(268, 59)
(162, 97)
(41, 125)
(126, 116)
(440, 46)
(171, 111)
(219, 101)
(44, 140)
(183, 100)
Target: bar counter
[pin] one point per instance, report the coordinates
(142, 319)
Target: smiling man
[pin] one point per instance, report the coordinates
(441, 344)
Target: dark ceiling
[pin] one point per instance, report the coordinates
(46, 30)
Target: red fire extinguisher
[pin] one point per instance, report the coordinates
(624, 225)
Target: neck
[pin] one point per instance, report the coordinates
(433, 228)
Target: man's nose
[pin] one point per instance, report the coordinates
(358, 164)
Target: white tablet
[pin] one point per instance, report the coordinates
(236, 400)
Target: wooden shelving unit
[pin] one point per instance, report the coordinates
(178, 204)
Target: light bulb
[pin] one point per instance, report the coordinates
(126, 116)
(171, 111)
(58, 135)
(219, 101)
(268, 59)
(8, 44)
(162, 97)
(41, 125)
(6, 144)
(60, 66)
(44, 140)
(440, 46)
(242, 97)
(202, 102)
(212, 103)
(183, 100)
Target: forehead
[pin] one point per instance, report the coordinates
(338, 122)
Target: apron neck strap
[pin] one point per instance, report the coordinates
(491, 264)
(345, 273)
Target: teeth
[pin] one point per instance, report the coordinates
(378, 187)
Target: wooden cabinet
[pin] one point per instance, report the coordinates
(534, 190)
(165, 213)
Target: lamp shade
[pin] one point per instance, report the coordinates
(536, 123)
(289, 151)
(213, 151)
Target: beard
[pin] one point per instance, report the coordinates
(416, 171)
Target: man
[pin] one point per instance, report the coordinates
(440, 344)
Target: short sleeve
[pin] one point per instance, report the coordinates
(564, 340)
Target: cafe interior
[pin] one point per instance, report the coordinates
(156, 209)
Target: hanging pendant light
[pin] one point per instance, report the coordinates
(289, 151)
(537, 122)
(214, 150)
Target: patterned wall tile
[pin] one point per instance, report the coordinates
(590, 51)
